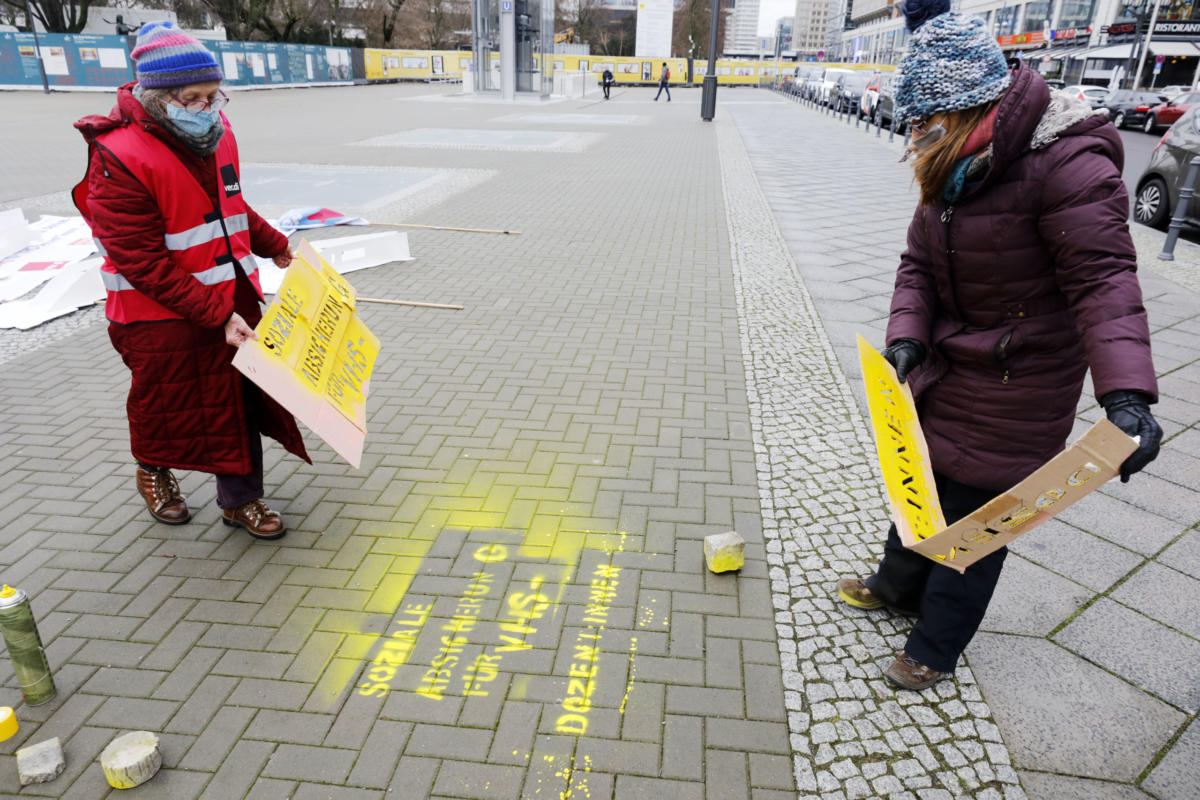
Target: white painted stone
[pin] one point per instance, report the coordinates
(131, 759)
(724, 552)
(41, 762)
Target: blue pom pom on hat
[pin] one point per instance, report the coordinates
(166, 57)
(952, 63)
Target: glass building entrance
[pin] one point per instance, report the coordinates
(532, 44)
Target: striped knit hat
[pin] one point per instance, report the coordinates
(166, 57)
(952, 64)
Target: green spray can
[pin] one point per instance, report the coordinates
(25, 646)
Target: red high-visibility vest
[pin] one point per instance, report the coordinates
(202, 240)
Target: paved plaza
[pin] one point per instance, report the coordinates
(509, 598)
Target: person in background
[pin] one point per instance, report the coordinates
(1019, 276)
(606, 80)
(664, 81)
(163, 197)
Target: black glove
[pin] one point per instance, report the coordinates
(905, 355)
(1130, 411)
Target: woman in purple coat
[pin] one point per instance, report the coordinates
(1019, 276)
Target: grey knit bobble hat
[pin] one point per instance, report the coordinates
(952, 63)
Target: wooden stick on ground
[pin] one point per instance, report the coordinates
(386, 302)
(443, 228)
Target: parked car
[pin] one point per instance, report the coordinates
(1055, 83)
(828, 80)
(885, 103)
(1093, 94)
(813, 84)
(803, 75)
(846, 94)
(870, 96)
(1167, 113)
(1126, 107)
(1174, 91)
(1159, 185)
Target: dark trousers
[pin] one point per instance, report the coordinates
(951, 605)
(234, 491)
(662, 87)
(607, 87)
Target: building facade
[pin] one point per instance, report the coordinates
(811, 27)
(1079, 41)
(741, 32)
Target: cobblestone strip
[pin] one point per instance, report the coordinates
(853, 736)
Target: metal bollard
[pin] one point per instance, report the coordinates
(857, 119)
(1181, 208)
(891, 128)
(907, 135)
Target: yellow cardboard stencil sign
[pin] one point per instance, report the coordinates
(313, 355)
(908, 477)
(903, 456)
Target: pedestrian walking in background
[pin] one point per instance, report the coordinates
(606, 81)
(163, 197)
(663, 82)
(1019, 275)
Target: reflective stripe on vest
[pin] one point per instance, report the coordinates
(207, 232)
(116, 282)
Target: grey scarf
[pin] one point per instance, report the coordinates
(155, 103)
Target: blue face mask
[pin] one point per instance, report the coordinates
(198, 124)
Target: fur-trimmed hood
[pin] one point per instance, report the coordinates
(1062, 112)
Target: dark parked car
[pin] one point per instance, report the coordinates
(1159, 185)
(1168, 112)
(1126, 107)
(846, 94)
(885, 103)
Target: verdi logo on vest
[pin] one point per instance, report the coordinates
(229, 177)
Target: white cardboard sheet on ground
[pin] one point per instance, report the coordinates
(345, 254)
(76, 286)
(57, 242)
(14, 232)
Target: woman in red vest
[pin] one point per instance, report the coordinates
(164, 199)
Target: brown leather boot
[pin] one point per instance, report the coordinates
(907, 673)
(255, 517)
(161, 493)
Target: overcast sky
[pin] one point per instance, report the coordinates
(771, 10)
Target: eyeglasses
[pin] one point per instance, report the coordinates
(197, 106)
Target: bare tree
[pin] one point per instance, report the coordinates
(56, 16)
(241, 18)
(693, 23)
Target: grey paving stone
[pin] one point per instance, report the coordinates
(1184, 554)
(1075, 719)
(1177, 776)
(1139, 649)
(1127, 525)
(1047, 786)
(1083, 558)
(1164, 594)
(1031, 600)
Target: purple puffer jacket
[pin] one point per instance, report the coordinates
(1019, 288)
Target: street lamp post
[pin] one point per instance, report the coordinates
(708, 96)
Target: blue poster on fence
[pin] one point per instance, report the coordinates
(70, 60)
(267, 63)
